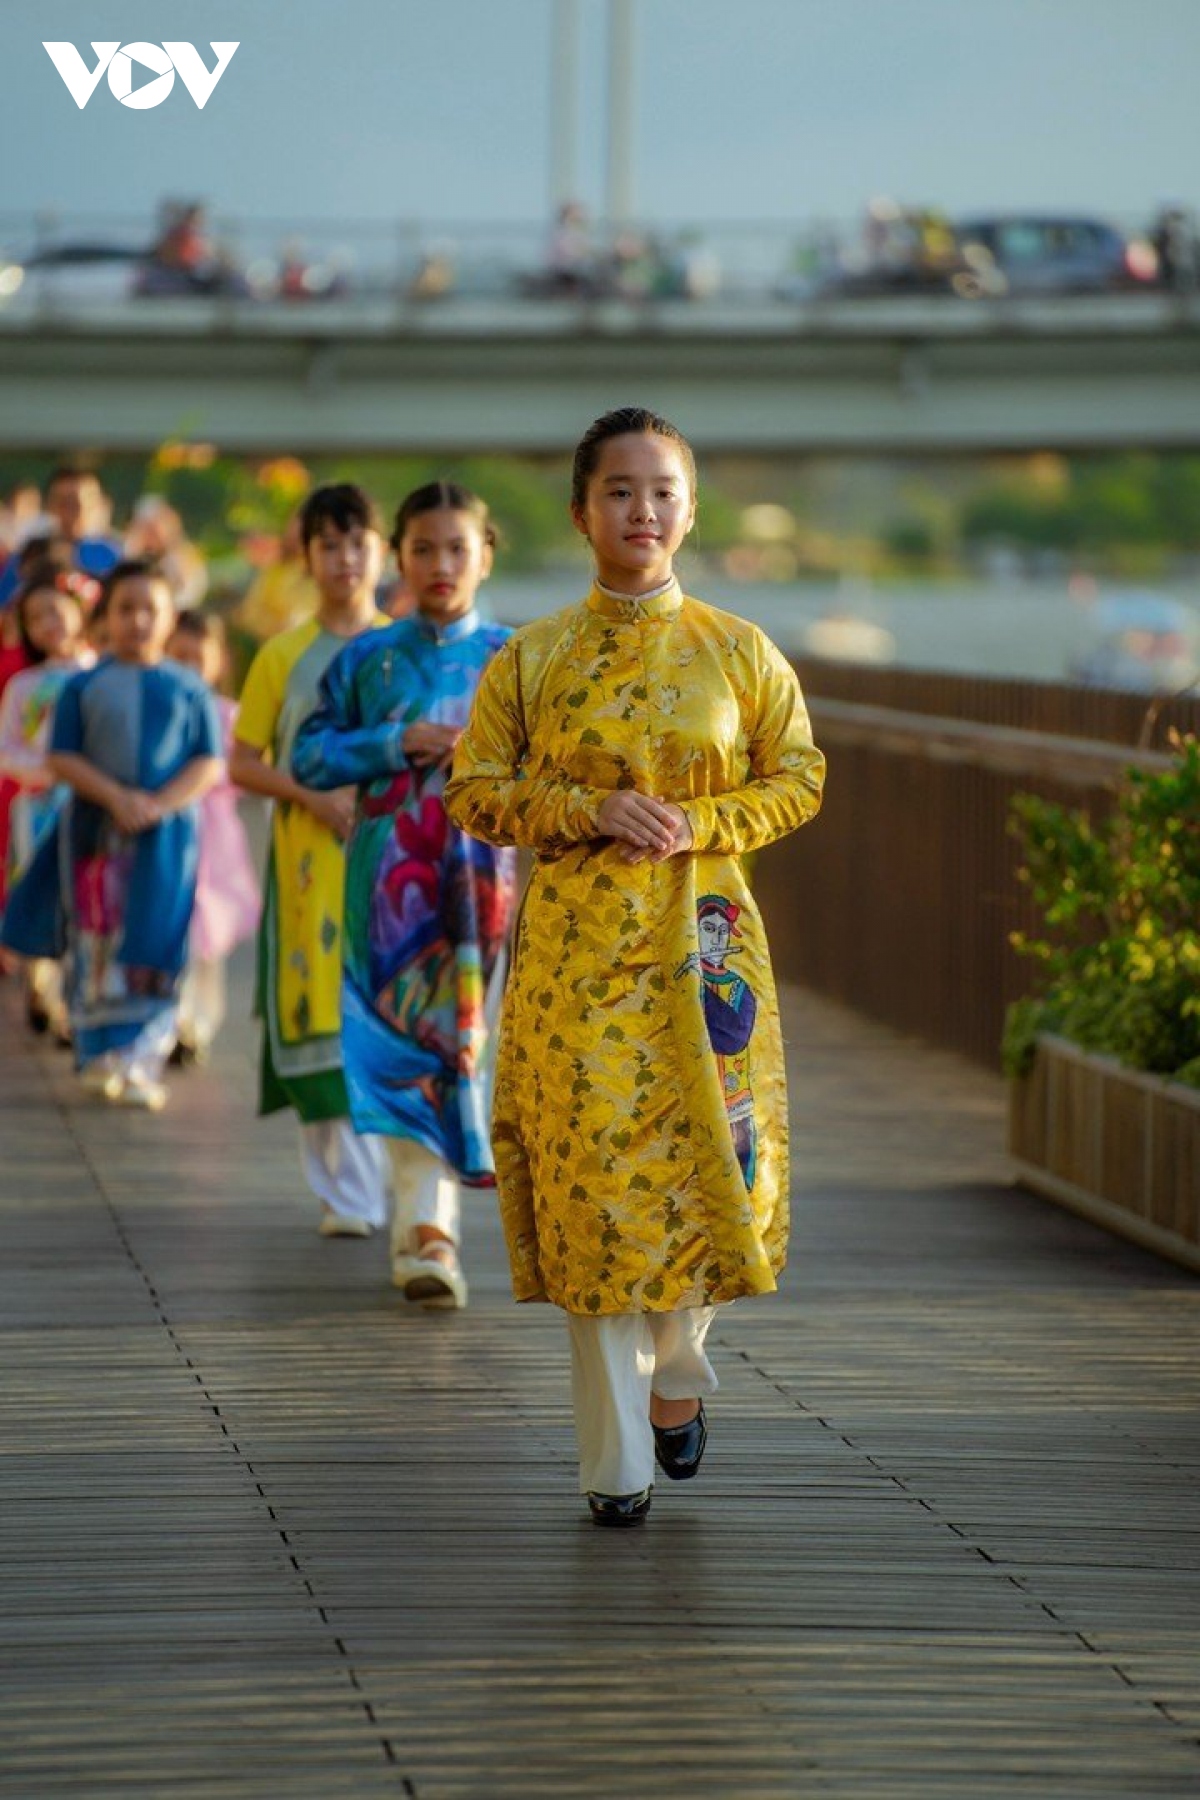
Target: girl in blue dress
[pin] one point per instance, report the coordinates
(427, 908)
(136, 739)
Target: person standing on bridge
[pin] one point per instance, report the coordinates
(300, 938)
(639, 744)
(49, 612)
(228, 902)
(137, 740)
(427, 908)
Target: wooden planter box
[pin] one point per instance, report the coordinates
(1120, 1147)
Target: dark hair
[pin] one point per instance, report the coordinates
(133, 568)
(72, 472)
(621, 423)
(205, 627)
(340, 504)
(61, 581)
(52, 550)
(442, 496)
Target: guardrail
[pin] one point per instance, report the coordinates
(750, 261)
(900, 898)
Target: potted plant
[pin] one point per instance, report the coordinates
(1105, 1057)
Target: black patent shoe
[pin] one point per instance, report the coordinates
(621, 1510)
(679, 1448)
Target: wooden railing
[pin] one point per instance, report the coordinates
(900, 898)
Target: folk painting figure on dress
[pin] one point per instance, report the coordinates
(730, 1009)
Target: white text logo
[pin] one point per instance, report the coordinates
(156, 68)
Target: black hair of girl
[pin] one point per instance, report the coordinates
(52, 549)
(624, 422)
(205, 627)
(442, 496)
(341, 504)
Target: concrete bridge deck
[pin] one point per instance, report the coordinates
(932, 374)
(267, 1533)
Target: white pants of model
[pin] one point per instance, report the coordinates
(617, 1362)
(346, 1172)
(427, 1193)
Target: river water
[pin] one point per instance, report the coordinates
(1006, 628)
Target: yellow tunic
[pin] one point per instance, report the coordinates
(626, 1182)
(300, 972)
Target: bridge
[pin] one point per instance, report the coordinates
(268, 1532)
(503, 373)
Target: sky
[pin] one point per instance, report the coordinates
(772, 110)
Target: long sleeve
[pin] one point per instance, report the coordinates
(256, 721)
(493, 795)
(788, 771)
(333, 748)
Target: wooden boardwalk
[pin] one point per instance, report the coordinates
(268, 1533)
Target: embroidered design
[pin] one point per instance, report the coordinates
(730, 1010)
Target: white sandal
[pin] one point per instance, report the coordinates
(432, 1278)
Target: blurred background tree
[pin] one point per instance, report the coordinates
(1124, 517)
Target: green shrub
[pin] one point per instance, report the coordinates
(1119, 962)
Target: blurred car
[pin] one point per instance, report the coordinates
(1144, 643)
(911, 251)
(81, 273)
(1059, 255)
(98, 273)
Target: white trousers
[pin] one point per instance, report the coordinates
(44, 977)
(346, 1172)
(145, 1060)
(617, 1362)
(202, 1002)
(427, 1193)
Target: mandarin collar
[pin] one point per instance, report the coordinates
(447, 634)
(660, 605)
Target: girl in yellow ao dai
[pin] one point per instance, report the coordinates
(639, 744)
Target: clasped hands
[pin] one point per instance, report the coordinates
(134, 811)
(427, 745)
(649, 830)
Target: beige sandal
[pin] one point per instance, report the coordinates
(432, 1278)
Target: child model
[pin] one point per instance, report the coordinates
(427, 909)
(300, 940)
(227, 897)
(49, 614)
(136, 739)
(639, 744)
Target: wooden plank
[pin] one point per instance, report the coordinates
(264, 1529)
